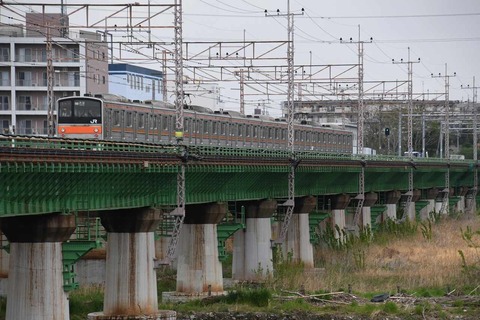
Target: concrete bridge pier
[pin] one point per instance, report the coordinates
(338, 204)
(35, 286)
(297, 240)
(131, 284)
(198, 269)
(391, 200)
(428, 211)
(439, 201)
(461, 205)
(470, 202)
(370, 199)
(411, 213)
(252, 247)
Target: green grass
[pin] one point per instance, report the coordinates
(84, 301)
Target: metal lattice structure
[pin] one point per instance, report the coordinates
(473, 194)
(290, 203)
(409, 193)
(446, 130)
(179, 212)
(50, 84)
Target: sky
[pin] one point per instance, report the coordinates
(439, 32)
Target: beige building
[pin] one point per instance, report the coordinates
(80, 63)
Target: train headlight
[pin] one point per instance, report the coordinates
(62, 130)
(95, 130)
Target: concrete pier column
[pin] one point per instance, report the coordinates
(198, 268)
(391, 200)
(439, 201)
(35, 286)
(461, 205)
(370, 199)
(470, 202)
(428, 211)
(338, 203)
(130, 284)
(297, 240)
(252, 247)
(411, 213)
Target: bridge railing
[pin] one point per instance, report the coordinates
(52, 144)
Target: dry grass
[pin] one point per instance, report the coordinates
(412, 262)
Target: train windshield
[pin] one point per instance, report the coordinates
(80, 111)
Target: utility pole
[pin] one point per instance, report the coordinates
(179, 212)
(242, 91)
(446, 191)
(164, 76)
(472, 204)
(360, 124)
(290, 203)
(409, 194)
(50, 80)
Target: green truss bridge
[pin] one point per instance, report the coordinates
(40, 176)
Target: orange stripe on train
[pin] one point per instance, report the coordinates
(79, 129)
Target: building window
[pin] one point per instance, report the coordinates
(4, 54)
(4, 103)
(24, 78)
(5, 126)
(5, 78)
(103, 79)
(24, 103)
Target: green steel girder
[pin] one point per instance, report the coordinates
(44, 186)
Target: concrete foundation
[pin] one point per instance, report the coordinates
(427, 212)
(460, 206)
(391, 200)
(297, 241)
(366, 221)
(130, 283)
(338, 204)
(198, 267)
(252, 252)
(391, 212)
(160, 315)
(411, 211)
(338, 219)
(35, 286)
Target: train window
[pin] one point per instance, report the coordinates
(240, 130)
(198, 127)
(116, 118)
(165, 122)
(187, 125)
(151, 121)
(205, 126)
(214, 127)
(248, 130)
(141, 120)
(65, 109)
(128, 119)
(255, 131)
(222, 128)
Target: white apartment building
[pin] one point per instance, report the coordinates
(80, 63)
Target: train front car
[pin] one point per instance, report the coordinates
(80, 118)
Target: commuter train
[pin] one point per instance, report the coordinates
(112, 117)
